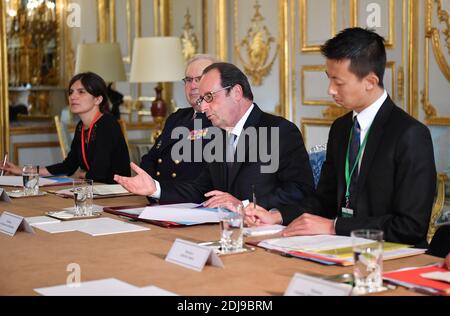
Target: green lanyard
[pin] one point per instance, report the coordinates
(348, 173)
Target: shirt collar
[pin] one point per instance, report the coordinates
(237, 130)
(366, 117)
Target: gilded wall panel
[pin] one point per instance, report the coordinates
(436, 62)
(318, 23)
(378, 15)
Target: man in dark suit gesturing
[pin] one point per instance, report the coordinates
(284, 178)
(379, 171)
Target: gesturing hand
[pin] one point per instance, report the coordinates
(141, 184)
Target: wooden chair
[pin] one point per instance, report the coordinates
(64, 136)
(438, 206)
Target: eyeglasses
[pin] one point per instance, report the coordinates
(187, 80)
(209, 96)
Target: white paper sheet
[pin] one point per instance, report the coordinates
(109, 189)
(263, 230)
(106, 287)
(180, 214)
(108, 226)
(311, 243)
(41, 220)
(93, 227)
(17, 181)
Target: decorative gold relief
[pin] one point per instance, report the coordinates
(444, 18)
(257, 45)
(333, 112)
(432, 35)
(400, 83)
(189, 40)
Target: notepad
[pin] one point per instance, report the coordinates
(109, 189)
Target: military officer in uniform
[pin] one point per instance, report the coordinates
(158, 161)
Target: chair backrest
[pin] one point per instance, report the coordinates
(64, 136)
(438, 206)
(317, 156)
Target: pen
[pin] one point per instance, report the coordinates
(253, 196)
(4, 164)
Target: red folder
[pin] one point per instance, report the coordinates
(412, 277)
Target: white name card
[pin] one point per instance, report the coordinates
(4, 196)
(10, 223)
(305, 285)
(192, 256)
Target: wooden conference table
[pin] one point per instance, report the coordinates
(29, 261)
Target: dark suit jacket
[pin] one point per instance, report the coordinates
(289, 184)
(396, 182)
(440, 244)
(158, 162)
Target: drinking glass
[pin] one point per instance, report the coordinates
(231, 228)
(368, 255)
(30, 176)
(83, 196)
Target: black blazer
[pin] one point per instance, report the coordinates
(158, 161)
(106, 153)
(397, 178)
(289, 184)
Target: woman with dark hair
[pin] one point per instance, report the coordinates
(98, 149)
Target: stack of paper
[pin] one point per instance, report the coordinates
(93, 227)
(331, 249)
(185, 214)
(106, 287)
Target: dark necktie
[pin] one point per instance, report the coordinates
(230, 149)
(354, 149)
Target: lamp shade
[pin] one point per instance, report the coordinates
(157, 59)
(105, 59)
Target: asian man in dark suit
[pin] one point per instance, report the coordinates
(158, 161)
(227, 100)
(379, 171)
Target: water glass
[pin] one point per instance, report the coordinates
(368, 255)
(83, 196)
(231, 228)
(30, 176)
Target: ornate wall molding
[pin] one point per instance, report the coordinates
(305, 47)
(189, 40)
(433, 39)
(257, 45)
(4, 113)
(390, 41)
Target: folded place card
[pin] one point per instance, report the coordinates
(192, 256)
(305, 285)
(10, 223)
(4, 197)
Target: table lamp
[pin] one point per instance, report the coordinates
(104, 59)
(157, 59)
